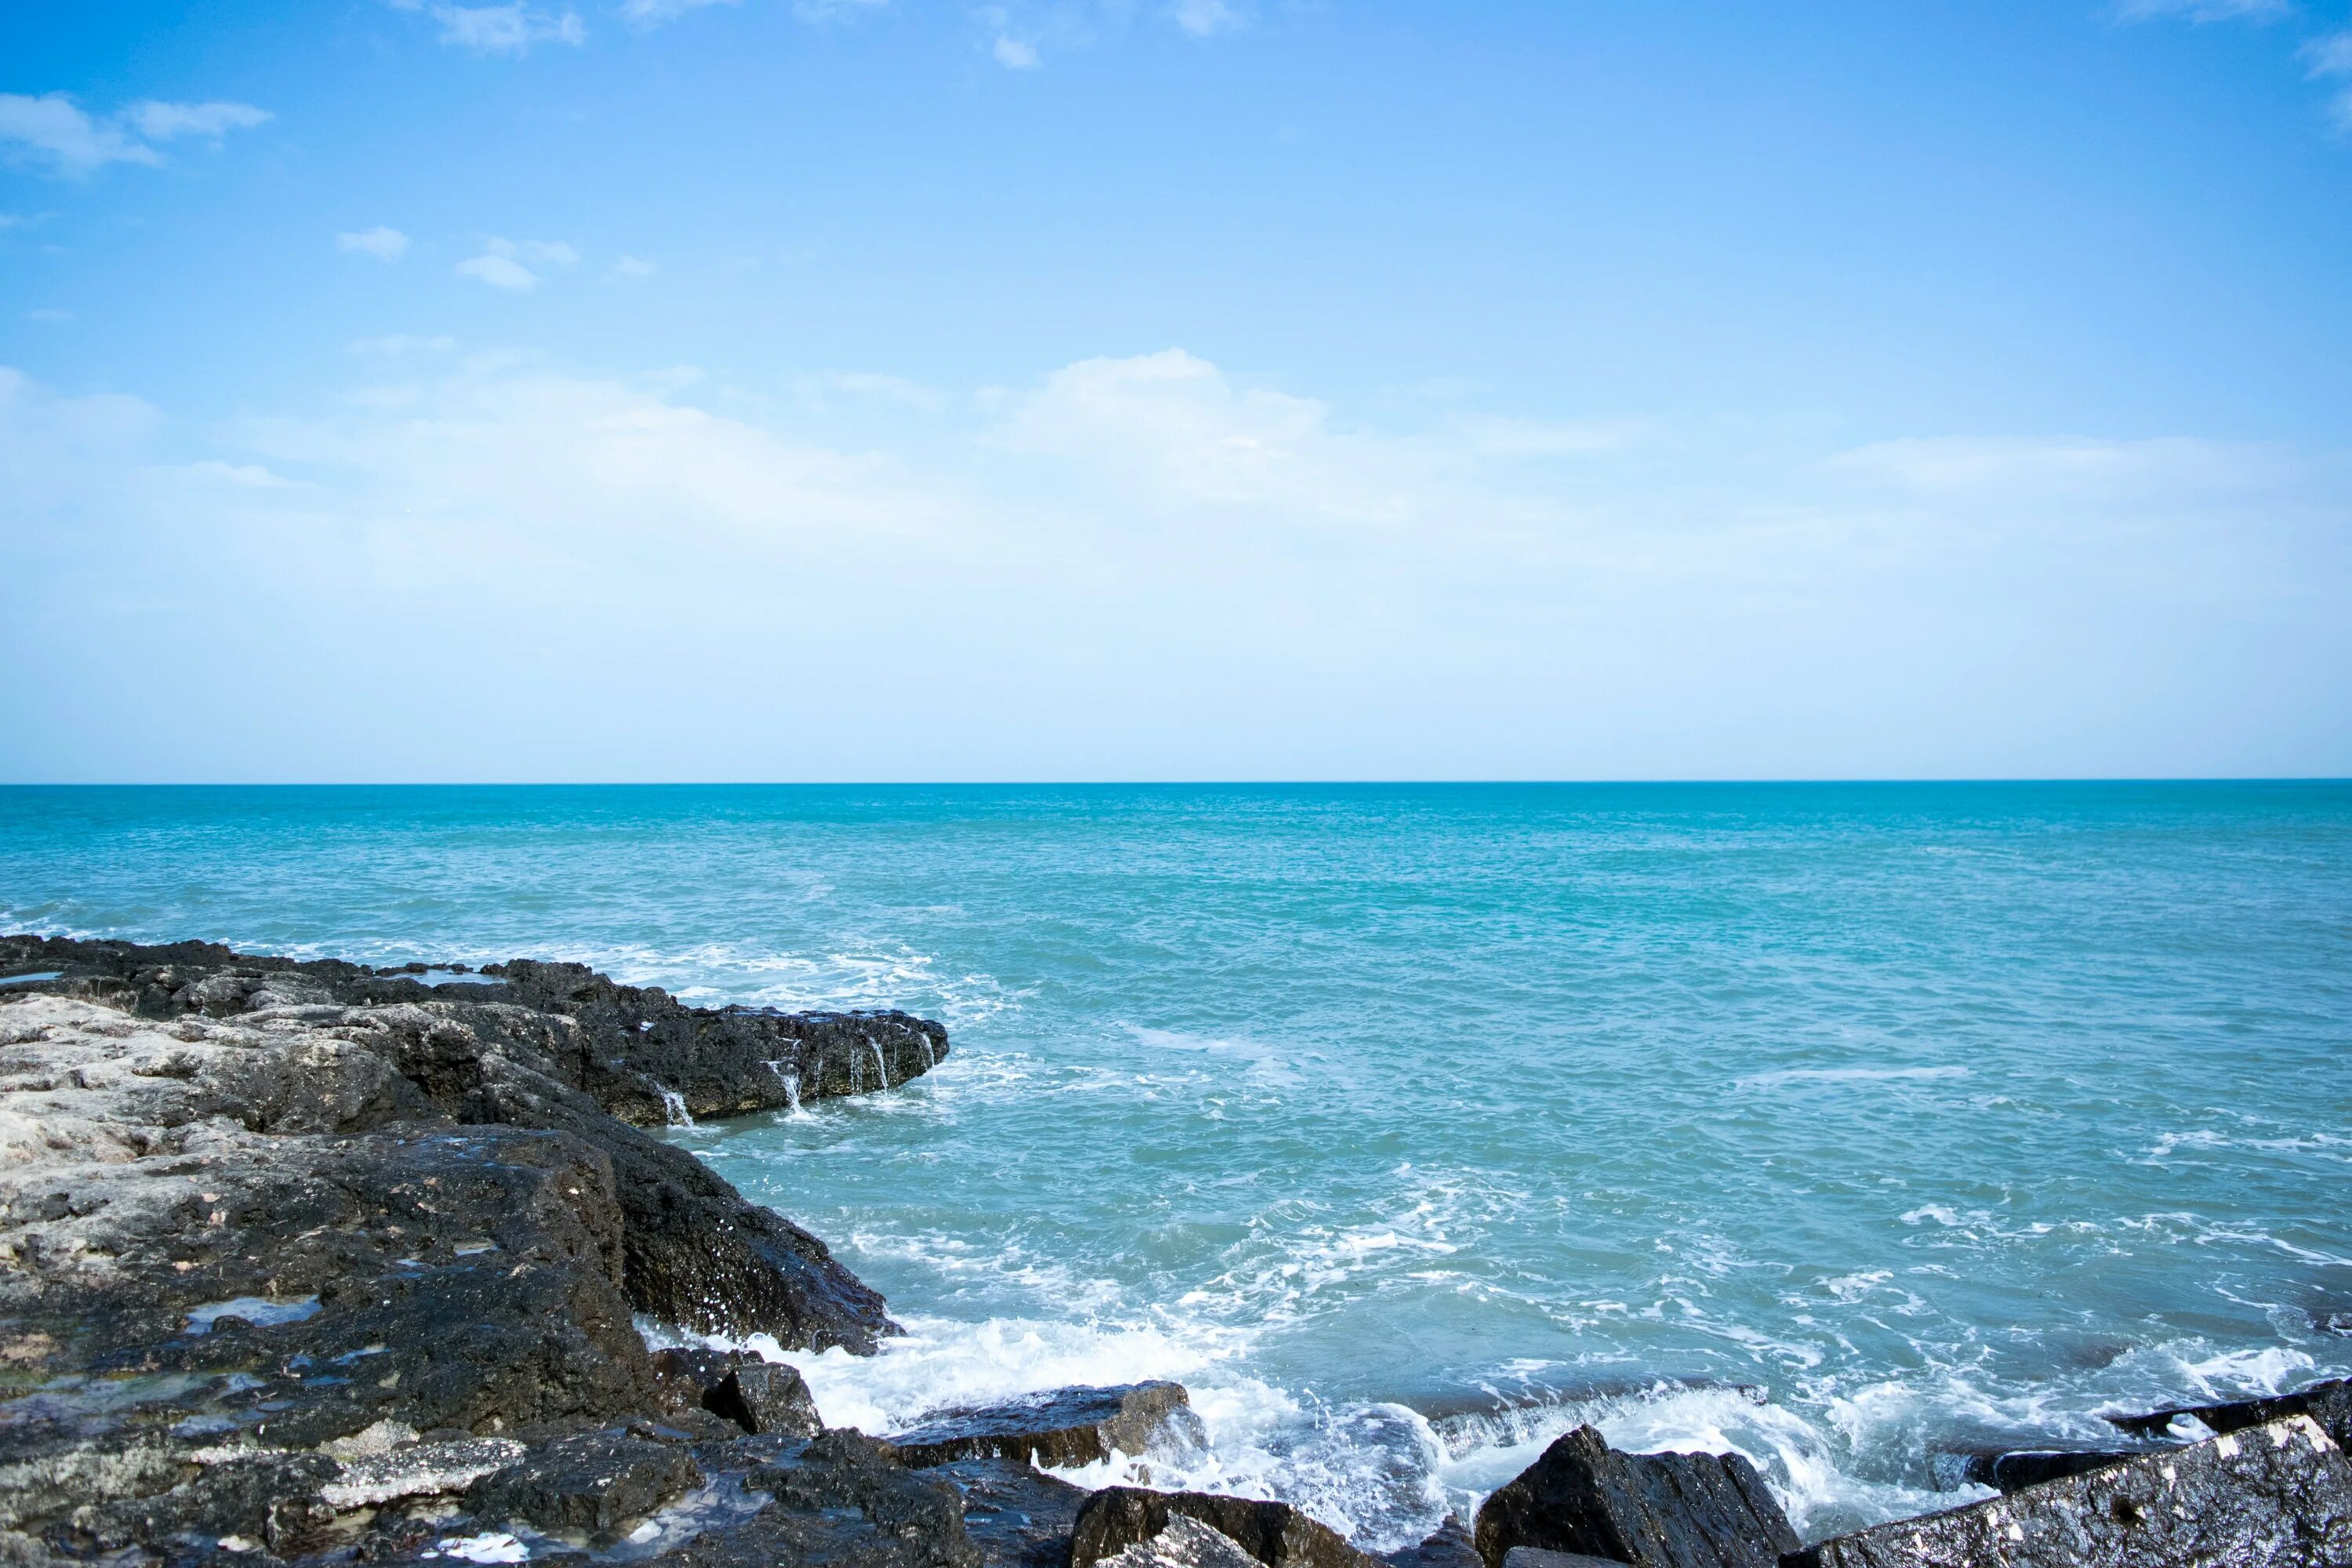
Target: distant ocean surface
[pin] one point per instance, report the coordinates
(1409, 1126)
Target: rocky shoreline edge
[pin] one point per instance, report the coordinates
(310, 1262)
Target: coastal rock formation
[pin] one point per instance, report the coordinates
(1182, 1542)
(1068, 1426)
(2329, 1404)
(1654, 1511)
(1274, 1534)
(2276, 1494)
(289, 1266)
(1019, 1516)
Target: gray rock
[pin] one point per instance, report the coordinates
(2329, 1404)
(761, 1397)
(597, 1483)
(1017, 1515)
(1656, 1511)
(1182, 1542)
(369, 1480)
(1536, 1557)
(1449, 1546)
(2275, 1496)
(1066, 1426)
(1275, 1534)
(844, 1497)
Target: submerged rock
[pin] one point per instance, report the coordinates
(2279, 1494)
(1655, 1510)
(1068, 1426)
(1449, 1546)
(1274, 1534)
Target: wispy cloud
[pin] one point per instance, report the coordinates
(633, 267)
(508, 263)
(383, 244)
(1014, 55)
(1203, 18)
(654, 13)
(54, 131)
(2204, 10)
(821, 11)
(2330, 59)
(512, 29)
(48, 314)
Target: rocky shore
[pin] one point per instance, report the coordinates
(310, 1263)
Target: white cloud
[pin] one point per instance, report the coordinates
(1014, 55)
(383, 244)
(2330, 59)
(1201, 18)
(633, 267)
(54, 128)
(536, 252)
(819, 12)
(513, 29)
(1151, 566)
(2204, 10)
(165, 121)
(48, 314)
(499, 271)
(654, 13)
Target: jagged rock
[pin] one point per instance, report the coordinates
(2021, 1467)
(1655, 1510)
(1017, 1515)
(367, 1479)
(1182, 1542)
(594, 1482)
(763, 1397)
(1448, 1546)
(907, 1520)
(1275, 1534)
(1536, 1557)
(2329, 1404)
(1066, 1426)
(2277, 1494)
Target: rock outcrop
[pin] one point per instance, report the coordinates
(2273, 1496)
(296, 1259)
(1654, 1511)
(1068, 1426)
(2329, 1404)
(1274, 1534)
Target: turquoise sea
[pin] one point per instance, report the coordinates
(1852, 1126)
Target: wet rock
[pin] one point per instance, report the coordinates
(1657, 1511)
(1274, 1534)
(1449, 1546)
(2021, 1467)
(369, 1480)
(595, 1483)
(2275, 1494)
(902, 1519)
(1017, 1515)
(1068, 1426)
(763, 1397)
(1536, 1557)
(2329, 1404)
(1182, 1542)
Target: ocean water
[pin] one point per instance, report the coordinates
(1849, 1126)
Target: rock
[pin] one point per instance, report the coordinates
(1068, 1426)
(2329, 1404)
(1182, 1542)
(1656, 1511)
(2019, 1469)
(1536, 1557)
(367, 1479)
(763, 1397)
(1017, 1515)
(2278, 1494)
(597, 1483)
(905, 1520)
(1275, 1534)
(1449, 1546)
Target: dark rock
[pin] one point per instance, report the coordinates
(2276, 1494)
(764, 1398)
(688, 1376)
(1657, 1511)
(1536, 1557)
(1274, 1534)
(908, 1519)
(2023, 1468)
(1066, 1426)
(1018, 1516)
(1450, 1546)
(1182, 1542)
(2329, 1404)
(597, 1483)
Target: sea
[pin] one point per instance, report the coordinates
(1852, 1127)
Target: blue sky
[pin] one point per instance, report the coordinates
(877, 389)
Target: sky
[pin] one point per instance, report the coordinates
(397, 390)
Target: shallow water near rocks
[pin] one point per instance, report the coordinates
(1850, 1126)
